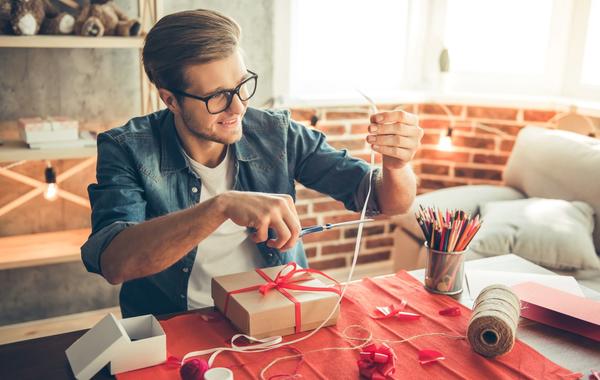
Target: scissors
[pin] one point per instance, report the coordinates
(328, 226)
(321, 227)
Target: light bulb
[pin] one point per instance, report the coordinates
(445, 142)
(51, 191)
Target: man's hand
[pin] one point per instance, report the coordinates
(262, 211)
(396, 135)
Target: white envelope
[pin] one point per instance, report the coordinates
(479, 279)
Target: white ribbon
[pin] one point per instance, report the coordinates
(262, 343)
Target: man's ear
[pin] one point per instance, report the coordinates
(169, 99)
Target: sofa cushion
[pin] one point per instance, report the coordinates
(553, 233)
(466, 198)
(559, 165)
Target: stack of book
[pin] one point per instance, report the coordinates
(52, 133)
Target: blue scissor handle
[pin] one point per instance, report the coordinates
(310, 230)
(305, 231)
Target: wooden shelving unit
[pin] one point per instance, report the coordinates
(64, 246)
(18, 151)
(148, 13)
(71, 42)
(42, 249)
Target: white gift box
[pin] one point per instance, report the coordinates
(34, 124)
(126, 344)
(56, 128)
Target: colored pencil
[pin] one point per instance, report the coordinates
(447, 230)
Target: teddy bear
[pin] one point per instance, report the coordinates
(5, 11)
(104, 17)
(30, 17)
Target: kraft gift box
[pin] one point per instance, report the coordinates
(273, 314)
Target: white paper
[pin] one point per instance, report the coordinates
(479, 279)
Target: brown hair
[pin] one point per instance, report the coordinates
(184, 38)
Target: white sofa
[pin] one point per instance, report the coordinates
(544, 164)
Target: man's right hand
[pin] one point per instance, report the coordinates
(262, 211)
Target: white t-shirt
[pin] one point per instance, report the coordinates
(227, 250)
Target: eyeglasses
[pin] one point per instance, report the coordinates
(221, 100)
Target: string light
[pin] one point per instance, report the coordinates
(51, 191)
(445, 142)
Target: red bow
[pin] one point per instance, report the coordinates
(287, 278)
(376, 363)
(393, 311)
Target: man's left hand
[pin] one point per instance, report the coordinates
(396, 135)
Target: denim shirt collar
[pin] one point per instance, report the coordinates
(171, 150)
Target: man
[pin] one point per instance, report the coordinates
(193, 191)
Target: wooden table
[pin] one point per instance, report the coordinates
(45, 357)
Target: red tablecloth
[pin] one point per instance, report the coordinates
(192, 332)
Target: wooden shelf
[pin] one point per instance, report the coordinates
(55, 325)
(69, 42)
(41, 249)
(17, 151)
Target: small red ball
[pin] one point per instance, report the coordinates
(193, 369)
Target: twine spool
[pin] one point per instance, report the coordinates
(493, 325)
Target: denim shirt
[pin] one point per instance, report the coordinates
(142, 174)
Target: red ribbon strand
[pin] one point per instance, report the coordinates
(450, 312)
(430, 356)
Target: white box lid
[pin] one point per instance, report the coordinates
(95, 348)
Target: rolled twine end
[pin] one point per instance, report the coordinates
(493, 325)
(489, 337)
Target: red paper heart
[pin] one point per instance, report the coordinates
(430, 356)
(450, 312)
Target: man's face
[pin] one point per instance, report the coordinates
(205, 80)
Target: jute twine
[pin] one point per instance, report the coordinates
(493, 325)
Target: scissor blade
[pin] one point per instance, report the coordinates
(350, 223)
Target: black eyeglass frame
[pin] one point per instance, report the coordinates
(228, 93)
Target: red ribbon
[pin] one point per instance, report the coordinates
(287, 278)
(430, 356)
(376, 362)
(450, 312)
(393, 311)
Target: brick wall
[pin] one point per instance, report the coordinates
(478, 157)
(345, 128)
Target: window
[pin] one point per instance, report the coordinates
(591, 58)
(516, 47)
(334, 41)
(505, 46)
(493, 37)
